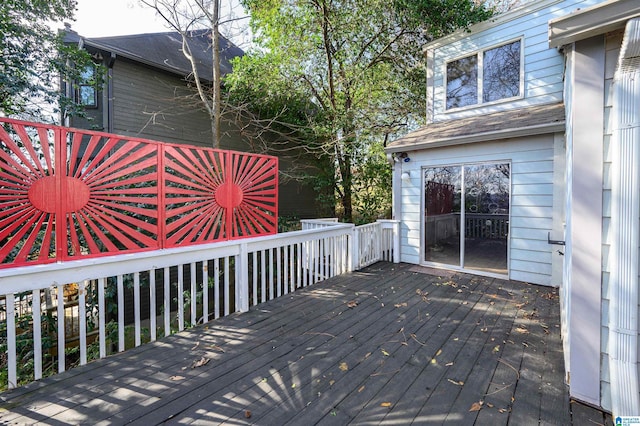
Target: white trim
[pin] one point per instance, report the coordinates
(585, 218)
(592, 21)
(479, 53)
(460, 266)
(625, 226)
(540, 129)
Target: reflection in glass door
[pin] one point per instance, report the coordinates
(443, 186)
(469, 231)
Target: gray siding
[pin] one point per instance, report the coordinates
(156, 105)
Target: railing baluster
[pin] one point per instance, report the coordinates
(227, 309)
(136, 308)
(167, 301)
(216, 287)
(285, 269)
(194, 299)
(61, 332)
(102, 340)
(270, 267)
(82, 320)
(11, 341)
(152, 305)
(36, 305)
(279, 270)
(121, 345)
(180, 298)
(263, 276)
(254, 278)
(205, 292)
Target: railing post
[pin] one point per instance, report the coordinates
(396, 241)
(354, 250)
(242, 279)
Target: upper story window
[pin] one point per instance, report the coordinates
(86, 89)
(489, 75)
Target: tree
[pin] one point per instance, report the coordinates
(359, 65)
(34, 57)
(186, 16)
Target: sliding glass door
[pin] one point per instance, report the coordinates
(466, 216)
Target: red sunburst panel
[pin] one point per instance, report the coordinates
(113, 194)
(191, 178)
(253, 195)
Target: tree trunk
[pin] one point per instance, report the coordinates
(216, 79)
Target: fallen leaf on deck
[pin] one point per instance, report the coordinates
(195, 346)
(352, 304)
(439, 352)
(476, 406)
(176, 378)
(385, 353)
(199, 363)
(367, 355)
(484, 329)
(247, 414)
(449, 364)
(361, 389)
(385, 404)
(522, 330)
(496, 348)
(400, 305)
(331, 382)
(458, 383)
(343, 366)
(501, 410)
(293, 386)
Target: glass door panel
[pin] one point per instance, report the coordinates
(486, 217)
(443, 189)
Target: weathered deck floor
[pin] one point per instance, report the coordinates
(387, 345)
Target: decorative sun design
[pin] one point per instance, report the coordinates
(66, 193)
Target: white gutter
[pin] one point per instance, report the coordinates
(625, 227)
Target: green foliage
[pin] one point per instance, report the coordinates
(34, 57)
(346, 76)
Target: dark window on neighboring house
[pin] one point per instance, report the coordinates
(87, 89)
(496, 73)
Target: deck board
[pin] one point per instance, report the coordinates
(419, 346)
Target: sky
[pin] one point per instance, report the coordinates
(103, 18)
(100, 18)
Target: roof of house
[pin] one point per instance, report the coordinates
(164, 50)
(533, 120)
(592, 21)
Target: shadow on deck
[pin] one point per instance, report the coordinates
(391, 344)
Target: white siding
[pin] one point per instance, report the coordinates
(613, 42)
(531, 194)
(543, 67)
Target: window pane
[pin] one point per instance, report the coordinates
(501, 72)
(462, 82)
(87, 96)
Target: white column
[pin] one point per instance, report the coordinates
(625, 228)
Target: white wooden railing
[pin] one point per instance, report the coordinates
(106, 305)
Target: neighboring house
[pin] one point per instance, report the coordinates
(147, 94)
(528, 169)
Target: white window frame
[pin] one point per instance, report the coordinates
(480, 59)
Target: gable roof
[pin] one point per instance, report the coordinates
(533, 120)
(164, 50)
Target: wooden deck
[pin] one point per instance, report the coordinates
(391, 344)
